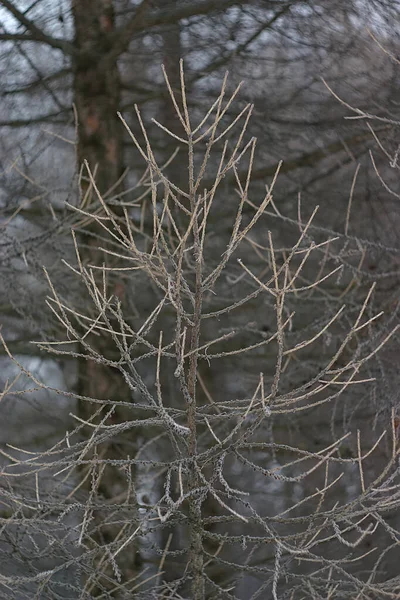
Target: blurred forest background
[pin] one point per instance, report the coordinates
(323, 77)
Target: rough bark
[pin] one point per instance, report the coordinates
(97, 100)
(97, 91)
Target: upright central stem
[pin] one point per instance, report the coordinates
(196, 563)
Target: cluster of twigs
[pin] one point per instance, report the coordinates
(214, 500)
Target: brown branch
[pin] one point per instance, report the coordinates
(36, 83)
(308, 159)
(49, 118)
(142, 20)
(37, 35)
(221, 61)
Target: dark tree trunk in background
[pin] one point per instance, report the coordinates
(97, 100)
(97, 91)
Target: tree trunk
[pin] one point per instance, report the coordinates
(96, 97)
(97, 91)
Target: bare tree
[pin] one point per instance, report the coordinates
(231, 447)
(100, 45)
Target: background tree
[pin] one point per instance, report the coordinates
(106, 57)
